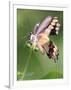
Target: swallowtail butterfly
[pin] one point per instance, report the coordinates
(40, 37)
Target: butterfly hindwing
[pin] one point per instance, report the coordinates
(51, 50)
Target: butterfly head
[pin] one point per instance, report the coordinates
(33, 40)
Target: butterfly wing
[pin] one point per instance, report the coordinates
(42, 26)
(51, 50)
(50, 25)
(54, 27)
(36, 28)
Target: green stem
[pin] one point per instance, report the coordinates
(27, 64)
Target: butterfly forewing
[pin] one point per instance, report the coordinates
(44, 24)
(50, 25)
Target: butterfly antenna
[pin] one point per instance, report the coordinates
(27, 36)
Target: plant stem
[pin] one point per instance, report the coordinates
(27, 63)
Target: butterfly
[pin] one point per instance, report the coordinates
(39, 37)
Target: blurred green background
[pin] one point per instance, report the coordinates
(32, 65)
